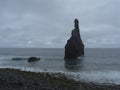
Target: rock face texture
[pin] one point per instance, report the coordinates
(33, 59)
(74, 47)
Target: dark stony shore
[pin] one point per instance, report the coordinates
(13, 79)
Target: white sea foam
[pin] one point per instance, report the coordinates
(97, 76)
(109, 77)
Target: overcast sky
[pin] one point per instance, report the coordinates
(48, 23)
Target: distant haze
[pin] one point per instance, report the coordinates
(48, 23)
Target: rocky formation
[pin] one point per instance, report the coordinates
(74, 47)
(33, 59)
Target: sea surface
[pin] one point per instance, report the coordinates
(99, 65)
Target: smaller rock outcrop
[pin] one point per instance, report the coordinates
(74, 47)
(33, 59)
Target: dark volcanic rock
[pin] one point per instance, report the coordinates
(74, 47)
(33, 59)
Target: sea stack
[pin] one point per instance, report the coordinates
(74, 47)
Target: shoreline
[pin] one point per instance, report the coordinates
(15, 79)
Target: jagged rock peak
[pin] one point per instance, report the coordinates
(74, 47)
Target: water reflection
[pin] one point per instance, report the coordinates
(74, 64)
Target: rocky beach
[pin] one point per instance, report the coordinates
(14, 79)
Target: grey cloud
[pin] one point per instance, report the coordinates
(45, 23)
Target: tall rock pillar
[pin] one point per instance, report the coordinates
(74, 47)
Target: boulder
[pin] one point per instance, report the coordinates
(33, 59)
(74, 47)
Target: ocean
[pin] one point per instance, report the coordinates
(99, 65)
